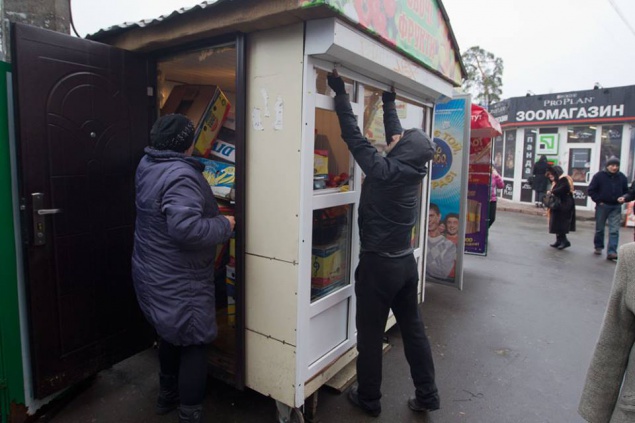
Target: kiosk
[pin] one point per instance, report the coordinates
(83, 112)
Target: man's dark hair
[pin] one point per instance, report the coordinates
(450, 215)
(435, 208)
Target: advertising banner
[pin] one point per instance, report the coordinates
(526, 192)
(508, 190)
(580, 195)
(415, 27)
(478, 195)
(477, 212)
(529, 148)
(483, 129)
(446, 215)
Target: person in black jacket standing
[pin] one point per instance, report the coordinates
(606, 189)
(540, 182)
(387, 277)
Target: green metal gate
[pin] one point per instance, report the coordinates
(11, 375)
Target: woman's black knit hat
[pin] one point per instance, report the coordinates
(172, 132)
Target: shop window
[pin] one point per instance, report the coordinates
(579, 164)
(333, 165)
(611, 143)
(498, 154)
(322, 86)
(579, 134)
(330, 253)
(510, 154)
(410, 116)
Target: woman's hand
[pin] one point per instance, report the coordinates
(231, 220)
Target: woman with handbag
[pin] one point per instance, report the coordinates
(562, 207)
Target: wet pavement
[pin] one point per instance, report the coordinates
(512, 347)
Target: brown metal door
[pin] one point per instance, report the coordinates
(83, 114)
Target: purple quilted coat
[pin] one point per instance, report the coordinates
(177, 228)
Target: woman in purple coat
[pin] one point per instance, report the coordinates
(177, 228)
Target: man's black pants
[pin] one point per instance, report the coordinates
(382, 284)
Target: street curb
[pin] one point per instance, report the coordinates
(581, 215)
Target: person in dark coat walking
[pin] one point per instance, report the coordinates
(177, 228)
(387, 276)
(605, 190)
(540, 182)
(562, 218)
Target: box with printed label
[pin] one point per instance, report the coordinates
(328, 265)
(219, 175)
(211, 123)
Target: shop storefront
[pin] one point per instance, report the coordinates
(257, 70)
(578, 131)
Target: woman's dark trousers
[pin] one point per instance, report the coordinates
(492, 213)
(382, 284)
(187, 364)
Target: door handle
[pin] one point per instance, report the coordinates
(39, 221)
(43, 212)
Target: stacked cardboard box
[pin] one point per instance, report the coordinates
(206, 106)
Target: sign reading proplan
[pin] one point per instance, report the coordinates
(601, 105)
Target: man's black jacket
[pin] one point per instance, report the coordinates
(607, 187)
(389, 202)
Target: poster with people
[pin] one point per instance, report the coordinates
(446, 221)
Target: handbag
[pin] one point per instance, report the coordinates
(551, 201)
(530, 180)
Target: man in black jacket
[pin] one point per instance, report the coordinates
(387, 277)
(606, 189)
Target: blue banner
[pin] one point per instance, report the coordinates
(446, 215)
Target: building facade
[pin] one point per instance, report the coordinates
(576, 130)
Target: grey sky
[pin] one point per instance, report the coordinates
(546, 45)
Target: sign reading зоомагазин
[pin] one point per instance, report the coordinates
(607, 104)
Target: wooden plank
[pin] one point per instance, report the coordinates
(343, 379)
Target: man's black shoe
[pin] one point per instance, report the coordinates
(354, 398)
(416, 405)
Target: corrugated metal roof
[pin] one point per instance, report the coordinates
(149, 22)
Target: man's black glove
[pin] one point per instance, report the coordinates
(336, 83)
(388, 96)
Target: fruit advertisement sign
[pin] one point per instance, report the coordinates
(415, 27)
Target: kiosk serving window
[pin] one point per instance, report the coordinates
(201, 84)
(411, 115)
